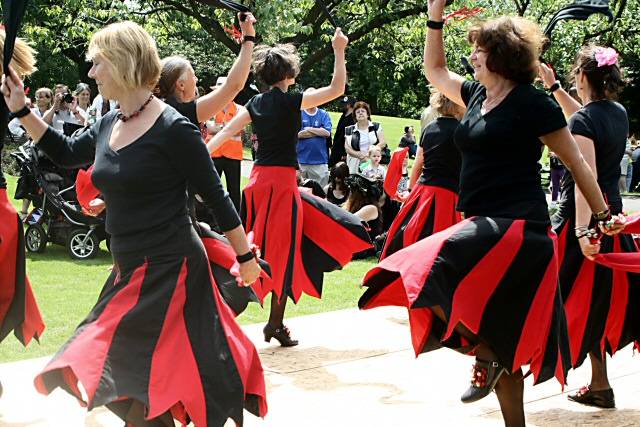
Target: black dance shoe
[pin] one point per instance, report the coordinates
(484, 377)
(599, 398)
(282, 334)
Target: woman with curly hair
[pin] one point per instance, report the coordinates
(488, 285)
(295, 231)
(602, 305)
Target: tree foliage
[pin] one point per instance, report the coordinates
(384, 56)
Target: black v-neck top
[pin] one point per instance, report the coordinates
(500, 173)
(144, 184)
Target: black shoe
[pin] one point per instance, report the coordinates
(282, 334)
(599, 398)
(484, 377)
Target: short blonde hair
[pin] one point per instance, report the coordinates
(443, 105)
(132, 53)
(374, 149)
(23, 60)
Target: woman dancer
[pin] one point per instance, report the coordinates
(295, 231)
(489, 284)
(160, 299)
(601, 304)
(431, 206)
(19, 311)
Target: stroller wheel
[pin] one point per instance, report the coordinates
(35, 238)
(82, 244)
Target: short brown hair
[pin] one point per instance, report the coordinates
(606, 81)
(513, 46)
(361, 104)
(132, 53)
(272, 64)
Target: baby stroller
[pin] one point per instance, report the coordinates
(57, 216)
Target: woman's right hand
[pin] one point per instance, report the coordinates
(13, 91)
(436, 9)
(339, 41)
(588, 249)
(547, 75)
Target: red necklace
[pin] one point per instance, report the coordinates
(124, 118)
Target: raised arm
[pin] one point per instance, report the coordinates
(320, 96)
(63, 150)
(435, 63)
(239, 122)
(209, 105)
(566, 101)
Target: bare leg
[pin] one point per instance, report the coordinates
(599, 378)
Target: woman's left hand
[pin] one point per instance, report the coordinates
(588, 249)
(249, 272)
(614, 226)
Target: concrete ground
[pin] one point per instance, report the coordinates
(355, 369)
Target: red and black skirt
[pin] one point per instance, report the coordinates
(301, 236)
(428, 209)
(18, 308)
(602, 305)
(160, 334)
(497, 277)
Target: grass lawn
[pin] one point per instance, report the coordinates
(67, 289)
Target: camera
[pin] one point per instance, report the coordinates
(67, 97)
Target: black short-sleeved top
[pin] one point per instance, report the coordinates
(442, 158)
(607, 125)
(187, 109)
(276, 121)
(500, 173)
(144, 184)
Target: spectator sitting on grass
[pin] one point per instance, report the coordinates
(337, 191)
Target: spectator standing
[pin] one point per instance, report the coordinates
(228, 158)
(312, 144)
(409, 140)
(556, 172)
(15, 128)
(99, 107)
(338, 153)
(44, 97)
(624, 169)
(635, 161)
(360, 136)
(64, 112)
(83, 94)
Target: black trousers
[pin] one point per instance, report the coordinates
(231, 170)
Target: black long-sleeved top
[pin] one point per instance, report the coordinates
(145, 183)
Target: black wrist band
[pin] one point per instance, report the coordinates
(22, 112)
(245, 257)
(248, 39)
(554, 87)
(435, 25)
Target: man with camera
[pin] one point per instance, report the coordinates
(65, 115)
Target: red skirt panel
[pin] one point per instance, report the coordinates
(495, 276)
(160, 334)
(428, 209)
(602, 304)
(18, 308)
(296, 233)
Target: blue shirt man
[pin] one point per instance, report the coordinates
(313, 156)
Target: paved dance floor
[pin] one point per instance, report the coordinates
(355, 369)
